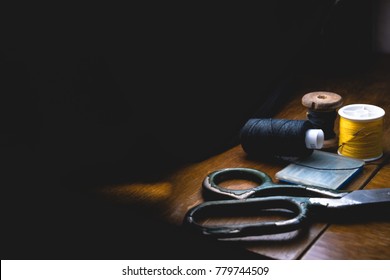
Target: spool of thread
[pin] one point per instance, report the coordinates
(322, 106)
(361, 131)
(270, 138)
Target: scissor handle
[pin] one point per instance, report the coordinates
(212, 180)
(297, 205)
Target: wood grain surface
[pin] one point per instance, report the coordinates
(174, 195)
(361, 240)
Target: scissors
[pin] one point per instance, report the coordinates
(304, 202)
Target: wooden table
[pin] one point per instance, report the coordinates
(172, 196)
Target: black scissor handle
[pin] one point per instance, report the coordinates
(298, 206)
(212, 181)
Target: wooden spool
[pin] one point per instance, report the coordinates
(323, 101)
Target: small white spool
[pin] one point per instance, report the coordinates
(314, 138)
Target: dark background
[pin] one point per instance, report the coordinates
(102, 95)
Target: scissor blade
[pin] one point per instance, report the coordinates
(361, 204)
(376, 196)
(366, 200)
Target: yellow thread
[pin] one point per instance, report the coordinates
(361, 139)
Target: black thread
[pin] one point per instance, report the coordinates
(324, 121)
(320, 168)
(273, 138)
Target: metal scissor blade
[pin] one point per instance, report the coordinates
(376, 196)
(355, 198)
(354, 206)
(367, 202)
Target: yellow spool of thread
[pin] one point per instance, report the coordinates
(361, 131)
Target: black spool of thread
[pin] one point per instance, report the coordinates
(273, 138)
(322, 106)
(324, 121)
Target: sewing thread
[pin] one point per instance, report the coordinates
(322, 113)
(323, 120)
(267, 138)
(361, 131)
